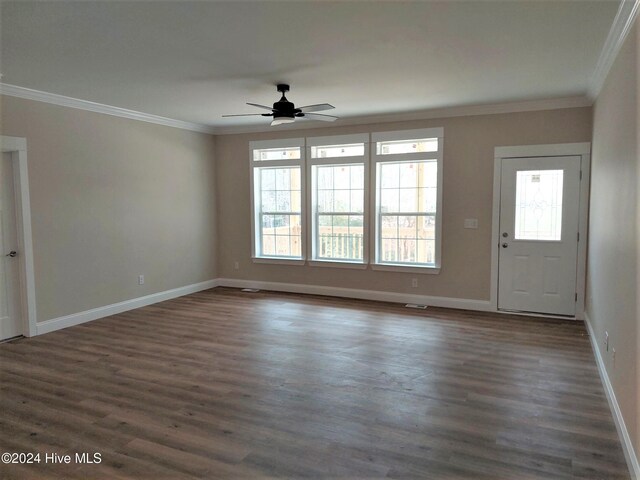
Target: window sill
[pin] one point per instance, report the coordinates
(390, 267)
(334, 264)
(278, 261)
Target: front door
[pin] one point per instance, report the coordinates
(10, 321)
(539, 210)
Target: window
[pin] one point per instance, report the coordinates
(355, 200)
(408, 179)
(539, 205)
(278, 193)
(338, 180)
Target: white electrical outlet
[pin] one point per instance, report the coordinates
(140, 279)
(236, 265)
(414, 282)
(606, 341)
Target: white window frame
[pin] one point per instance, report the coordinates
(256, 216)
(312, 212)
(377, 159)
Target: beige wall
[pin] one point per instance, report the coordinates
(612, 281)
(113, 198)
(468, 189)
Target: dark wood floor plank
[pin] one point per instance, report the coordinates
(226, 384)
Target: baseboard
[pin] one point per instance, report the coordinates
(447, 302)
(623, 433)
(100, 312)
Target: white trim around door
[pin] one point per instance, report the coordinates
(555, 150)
(17, 147)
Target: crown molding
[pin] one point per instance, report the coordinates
(627, 13)
(446, 112)
(61, 100)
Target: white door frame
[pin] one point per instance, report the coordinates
(503, 154)
(17, 147)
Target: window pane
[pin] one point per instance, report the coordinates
(325, 201)
(280, 210)
(355, 149)
(389, 250)
(428, 199)
(357, 176)
(390, 175)
(428, 174)
(268, 245)
(296, 201)
(357, 201)
(539, 205)
(408, 175)
(339, 189)
(426, 251)
(283, 201)
(341, 200)
(283, 178)
(408, 186)
(389, 200)
(407, 202)
(325, 177)
(407, 146)
(340, 237)
(402, 236)
(288, 153)
(389, 226)
(283, 245)
(268, 201)
(341, 177)
(268, 178)
(426, 227)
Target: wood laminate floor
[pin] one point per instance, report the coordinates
(226, 384)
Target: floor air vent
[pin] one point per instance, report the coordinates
(415, 305)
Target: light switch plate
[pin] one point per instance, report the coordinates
(470, 223)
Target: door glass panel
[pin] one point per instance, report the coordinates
(539, 205)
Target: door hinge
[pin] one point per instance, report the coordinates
(580, 174)
(576, 296)
(578, 236)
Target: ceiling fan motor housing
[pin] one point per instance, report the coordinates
(283, 108)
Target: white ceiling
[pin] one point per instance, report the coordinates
(194, 61)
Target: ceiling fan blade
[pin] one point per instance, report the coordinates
(320, 116)
(250, 115)
(316, 108)
(260, 106)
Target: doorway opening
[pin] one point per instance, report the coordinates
(17, 284)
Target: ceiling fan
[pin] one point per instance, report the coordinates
(284, 111)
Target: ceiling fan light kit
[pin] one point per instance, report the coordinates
(284, 111)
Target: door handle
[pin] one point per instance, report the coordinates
(12, 254)
(505, 245)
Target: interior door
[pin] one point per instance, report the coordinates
(10, 320)
(539, 210)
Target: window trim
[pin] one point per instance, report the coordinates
(255, 166)
(376, 160)
(312, 214)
